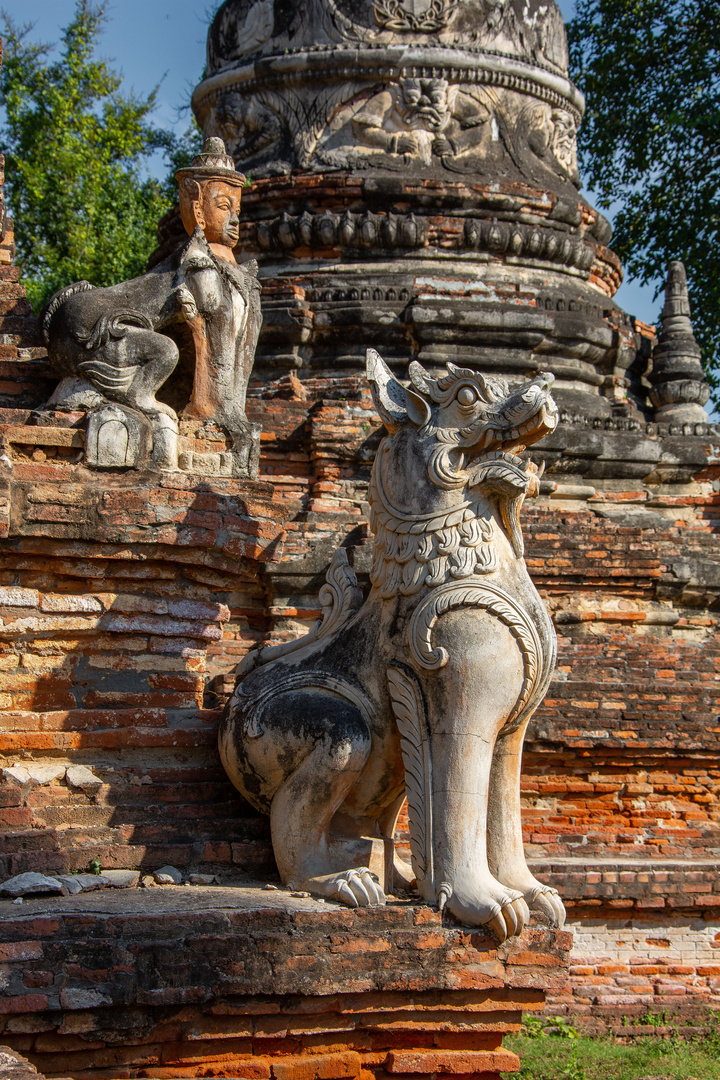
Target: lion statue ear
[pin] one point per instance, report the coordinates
(423, 383)
(388, 394)
(417, 405)
(417, 408)
(395, 403)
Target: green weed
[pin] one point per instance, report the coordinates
(577, 1057)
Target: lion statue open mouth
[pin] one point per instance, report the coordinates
(424, 689)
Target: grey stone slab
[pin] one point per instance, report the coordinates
(635, 518)
(121, 879)
(84, 882)
(45, 774)
(167, 901)
(79, 776)
(29, 884)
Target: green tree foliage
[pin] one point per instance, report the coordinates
(76, 161)
(650, 141)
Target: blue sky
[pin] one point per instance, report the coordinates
(153, 40)
(146, 40)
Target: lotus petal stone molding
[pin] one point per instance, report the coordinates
(424, 689)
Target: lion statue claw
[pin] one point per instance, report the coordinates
(424, 689)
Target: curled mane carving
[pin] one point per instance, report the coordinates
(412, 551)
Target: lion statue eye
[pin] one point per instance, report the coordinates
(467, 396)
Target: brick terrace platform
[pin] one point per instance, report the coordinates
(241, 982)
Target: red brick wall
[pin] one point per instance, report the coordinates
(31, 382)
(621, 755)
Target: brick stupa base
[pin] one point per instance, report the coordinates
(241, 982)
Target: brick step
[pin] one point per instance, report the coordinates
(147, 815)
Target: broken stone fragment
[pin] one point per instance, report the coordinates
(16, 774)
(71, 998)
(15, 1067)
(31, 883)
(62, 603)
(11, 596)
(168, 875)
(199, 609)
(79, 776)
(45, 774)
(76, 883)
(33, 773)
(71, 883)
(204, 879)
(121, 879)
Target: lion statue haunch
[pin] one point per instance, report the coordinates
(424, 689)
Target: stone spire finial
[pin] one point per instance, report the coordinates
(679, 388)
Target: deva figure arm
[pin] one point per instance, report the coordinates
(199, 296)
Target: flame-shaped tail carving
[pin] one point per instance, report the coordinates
(409, 709)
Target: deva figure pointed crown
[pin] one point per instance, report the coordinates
(213, 163)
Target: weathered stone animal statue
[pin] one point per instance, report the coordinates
(427, 687)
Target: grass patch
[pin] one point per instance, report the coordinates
(551, 1049)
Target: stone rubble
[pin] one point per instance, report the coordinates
(31, 884)
(168, 875)
(79, 776)
(121, 879)
(77, 883)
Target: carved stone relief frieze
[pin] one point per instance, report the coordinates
(431, 123)
(273, 131)
(419, 15)
(251, 127)
(541, 139)
(528, 29)
(412, 119)
(243, 27)
(564, 143)
(422, 118)
(444, 85)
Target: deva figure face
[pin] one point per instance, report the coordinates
(215, 207)
(210, 192)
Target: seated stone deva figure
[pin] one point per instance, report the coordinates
(115, 346)
(426, 687)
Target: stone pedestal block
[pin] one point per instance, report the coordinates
(170, 982)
